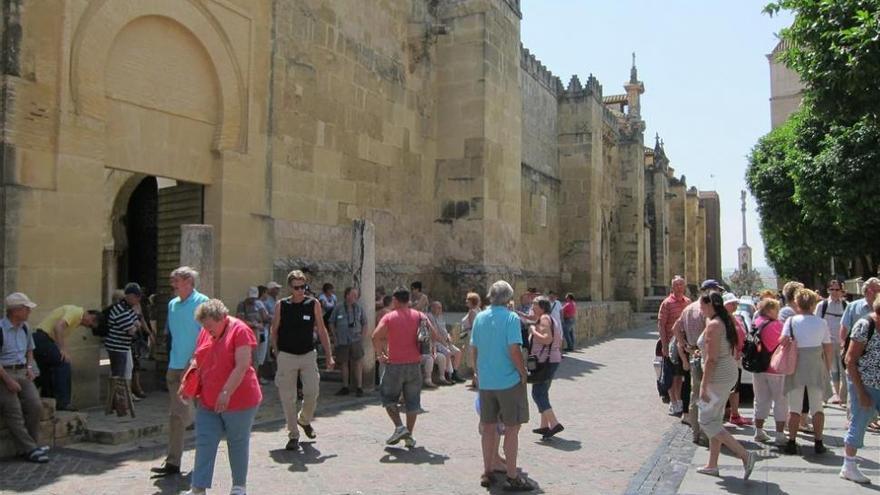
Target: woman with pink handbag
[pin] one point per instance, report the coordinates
(805, 356)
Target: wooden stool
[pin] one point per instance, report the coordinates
(116, 387)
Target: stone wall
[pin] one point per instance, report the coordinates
(601, 319)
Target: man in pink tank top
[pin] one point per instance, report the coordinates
(396, 341)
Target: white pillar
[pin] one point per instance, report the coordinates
(363, 264)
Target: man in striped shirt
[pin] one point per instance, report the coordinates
(670, 309)
(123, 323)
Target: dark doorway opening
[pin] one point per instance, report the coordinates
(141, 228)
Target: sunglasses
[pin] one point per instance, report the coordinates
(298, 287)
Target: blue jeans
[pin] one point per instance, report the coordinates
(861, 416)
(568, 332)
(541, 391)
(210, 427)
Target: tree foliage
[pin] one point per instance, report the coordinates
(745, 282)
(834, 47)
(816, 177)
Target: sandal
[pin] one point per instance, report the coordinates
(518, 484)
(708, 471)
(37, 455)
(486, 480)
(874, 427)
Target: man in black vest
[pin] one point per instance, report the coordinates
(294, 323)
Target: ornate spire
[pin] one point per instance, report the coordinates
(634, 72)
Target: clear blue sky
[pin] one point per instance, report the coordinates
(706, 75)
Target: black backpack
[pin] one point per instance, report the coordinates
(871, 327)
(823, 307)
(756, 357)
(103, 326)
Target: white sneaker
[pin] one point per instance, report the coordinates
(761, 435)
(672, 408)
(781, 439)
(850, 471)
(399, 434)
(238, 490)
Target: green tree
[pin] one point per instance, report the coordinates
(789, 239)
(816, 178)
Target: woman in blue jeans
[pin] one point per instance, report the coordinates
(228, 395)
(546, 345)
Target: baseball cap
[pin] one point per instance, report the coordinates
(17, 299)
(133, 288)
(273, 285)
(729, 297)
(710, 284)
(253, 292)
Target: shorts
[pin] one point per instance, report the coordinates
(350, 352)
(120, 364)
(677, 367)
(447, 350)
(796, 399)
(405, 379)
(509, 406)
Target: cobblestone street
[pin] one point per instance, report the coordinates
(604, 395)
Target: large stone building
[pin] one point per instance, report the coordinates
(280, 122)
(786, 88)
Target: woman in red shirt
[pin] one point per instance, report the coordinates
(569, 315)
(228, 394)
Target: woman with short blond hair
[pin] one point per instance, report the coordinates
(228, 394)
(813, 340)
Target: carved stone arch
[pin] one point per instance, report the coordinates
(103, 20)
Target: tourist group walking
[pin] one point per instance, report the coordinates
(804, 352)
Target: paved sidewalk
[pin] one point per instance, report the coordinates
(673, 467)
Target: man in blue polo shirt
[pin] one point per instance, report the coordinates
(496, 343)
(184, 330)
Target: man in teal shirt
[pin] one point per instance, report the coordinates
(184, 330)
(496, 344)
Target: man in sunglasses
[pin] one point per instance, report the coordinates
(294, 324)
(831, 310)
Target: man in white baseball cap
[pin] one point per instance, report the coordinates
(20, 404)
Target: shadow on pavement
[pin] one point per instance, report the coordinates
(574, 366)
(171, 485)
(733, 484)
(299, 460)
(497, 488)
(417, 455)
(561, 444)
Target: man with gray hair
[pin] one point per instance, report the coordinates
(496, 341)
(184, 331)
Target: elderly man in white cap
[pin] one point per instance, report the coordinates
(20, 405)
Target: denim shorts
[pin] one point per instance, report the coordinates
(405, 379)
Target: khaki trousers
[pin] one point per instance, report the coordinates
(291, 367)
(693, 412)
(180, 416)
(21, 411)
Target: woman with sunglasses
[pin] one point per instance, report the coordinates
(717, 344)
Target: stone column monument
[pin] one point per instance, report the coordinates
(363, 265)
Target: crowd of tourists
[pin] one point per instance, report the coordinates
(804, 351)
(215, 360)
